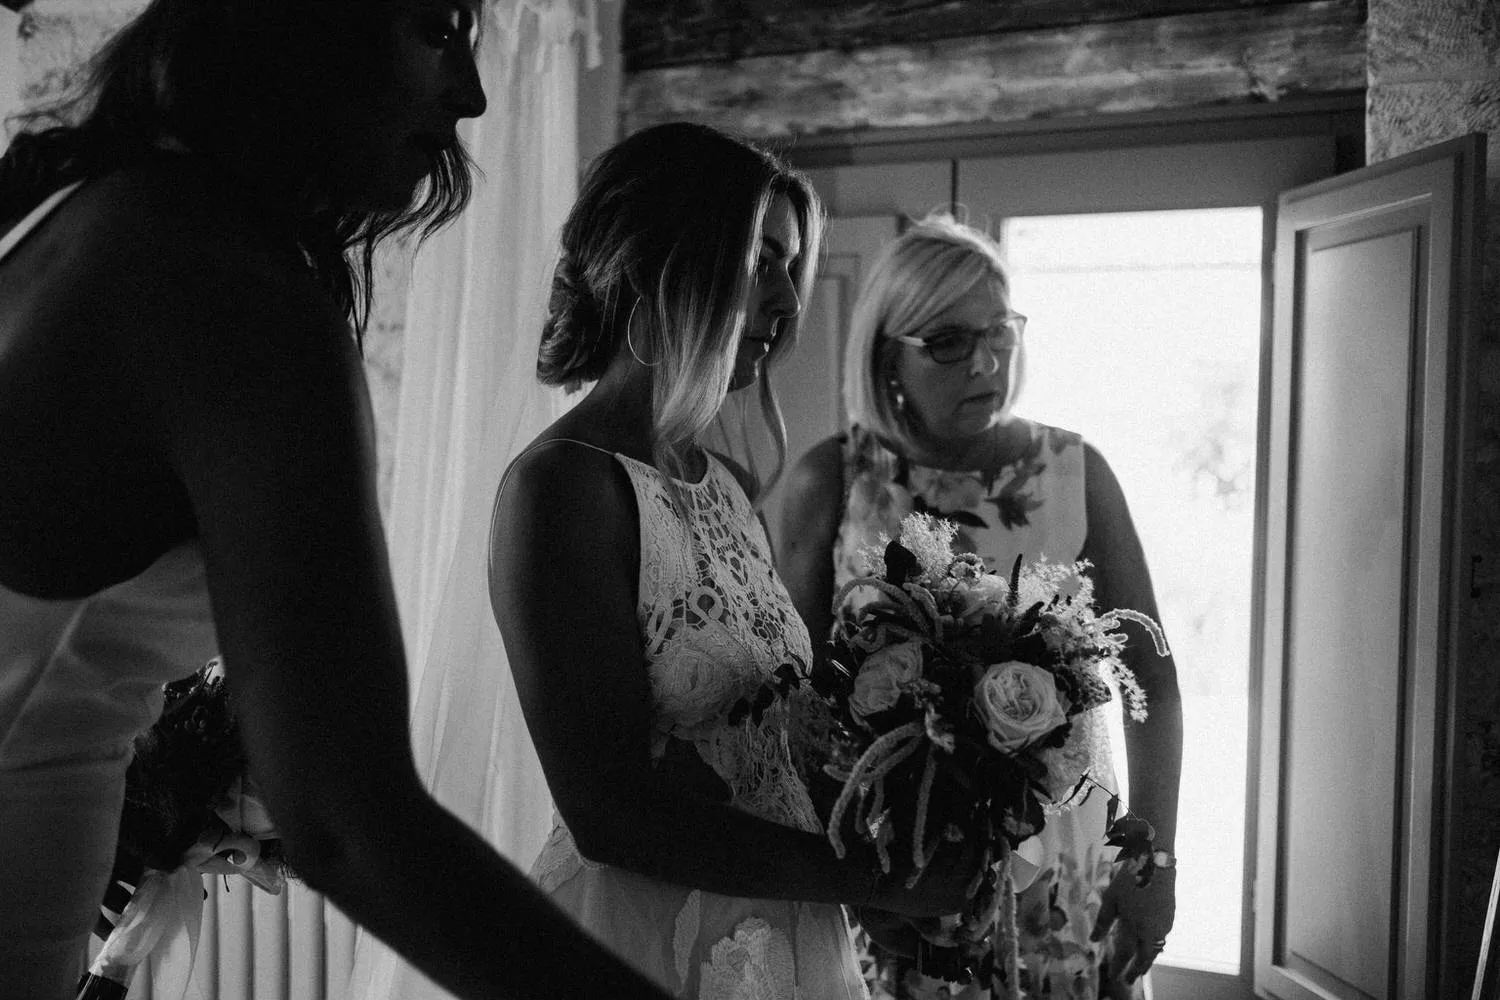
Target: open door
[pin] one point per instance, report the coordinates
(1364, 441)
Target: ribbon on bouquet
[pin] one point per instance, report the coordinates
(161, 924)
(159, 927)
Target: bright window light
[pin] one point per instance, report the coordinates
(1144, 336)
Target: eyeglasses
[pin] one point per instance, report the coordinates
(951, 345)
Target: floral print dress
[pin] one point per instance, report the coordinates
(1032, 507)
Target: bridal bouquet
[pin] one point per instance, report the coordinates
(960, 703)
(190, 809)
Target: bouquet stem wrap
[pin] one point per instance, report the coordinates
(159, 927)
(191, 809)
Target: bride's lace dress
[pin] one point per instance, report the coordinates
(716, 623)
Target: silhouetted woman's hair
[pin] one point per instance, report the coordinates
(227, 78)
(667, 229)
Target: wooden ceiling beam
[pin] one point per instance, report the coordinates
(659, 33)
(1241, 56)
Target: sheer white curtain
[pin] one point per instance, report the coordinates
(10, 70)
(469, 402)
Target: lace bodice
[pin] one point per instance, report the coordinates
(717, 623)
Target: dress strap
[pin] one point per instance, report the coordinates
(542, 444)
(602, 451)
(35, 218)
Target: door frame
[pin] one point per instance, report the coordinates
(1339, 116)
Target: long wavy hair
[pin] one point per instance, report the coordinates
(230, 79)
(934, 263)
(667, 228)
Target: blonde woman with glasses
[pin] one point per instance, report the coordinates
(935, 363)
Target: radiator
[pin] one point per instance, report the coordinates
(255, 946)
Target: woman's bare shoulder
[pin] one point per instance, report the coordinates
(174, 225)
(819, 473)
(169, 251)
(561, 478)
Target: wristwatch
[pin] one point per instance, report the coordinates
(1164, 859)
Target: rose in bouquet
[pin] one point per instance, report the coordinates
(962, 706)
(191, 809)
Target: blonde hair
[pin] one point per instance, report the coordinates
(914, 278)
(668, 225)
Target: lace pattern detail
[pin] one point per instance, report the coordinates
(685, 933)
(559, 859)
(755, 964)
(1086, 751)
(717, 622)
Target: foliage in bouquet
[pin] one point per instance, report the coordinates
(191, 809)
(187, 788)
(960, 701)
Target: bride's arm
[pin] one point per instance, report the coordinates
(564, 558)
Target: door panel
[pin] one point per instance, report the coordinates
(1364, 437)
(1351, 469)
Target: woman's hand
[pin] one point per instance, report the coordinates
(1140, 917)
(682, 768)
(945, 887)
(891, 931)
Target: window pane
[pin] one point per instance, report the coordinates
(1144, 336)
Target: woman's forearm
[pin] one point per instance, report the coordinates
(732, 852)
(433, 890)
(1154, 756)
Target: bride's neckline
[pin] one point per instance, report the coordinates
(701, 481)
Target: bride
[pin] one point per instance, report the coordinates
(633, 586)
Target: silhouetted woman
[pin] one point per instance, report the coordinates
(187, 454)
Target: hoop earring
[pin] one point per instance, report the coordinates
(629, 324)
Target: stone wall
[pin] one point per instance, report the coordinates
(1184, 56)
(1434, 74)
